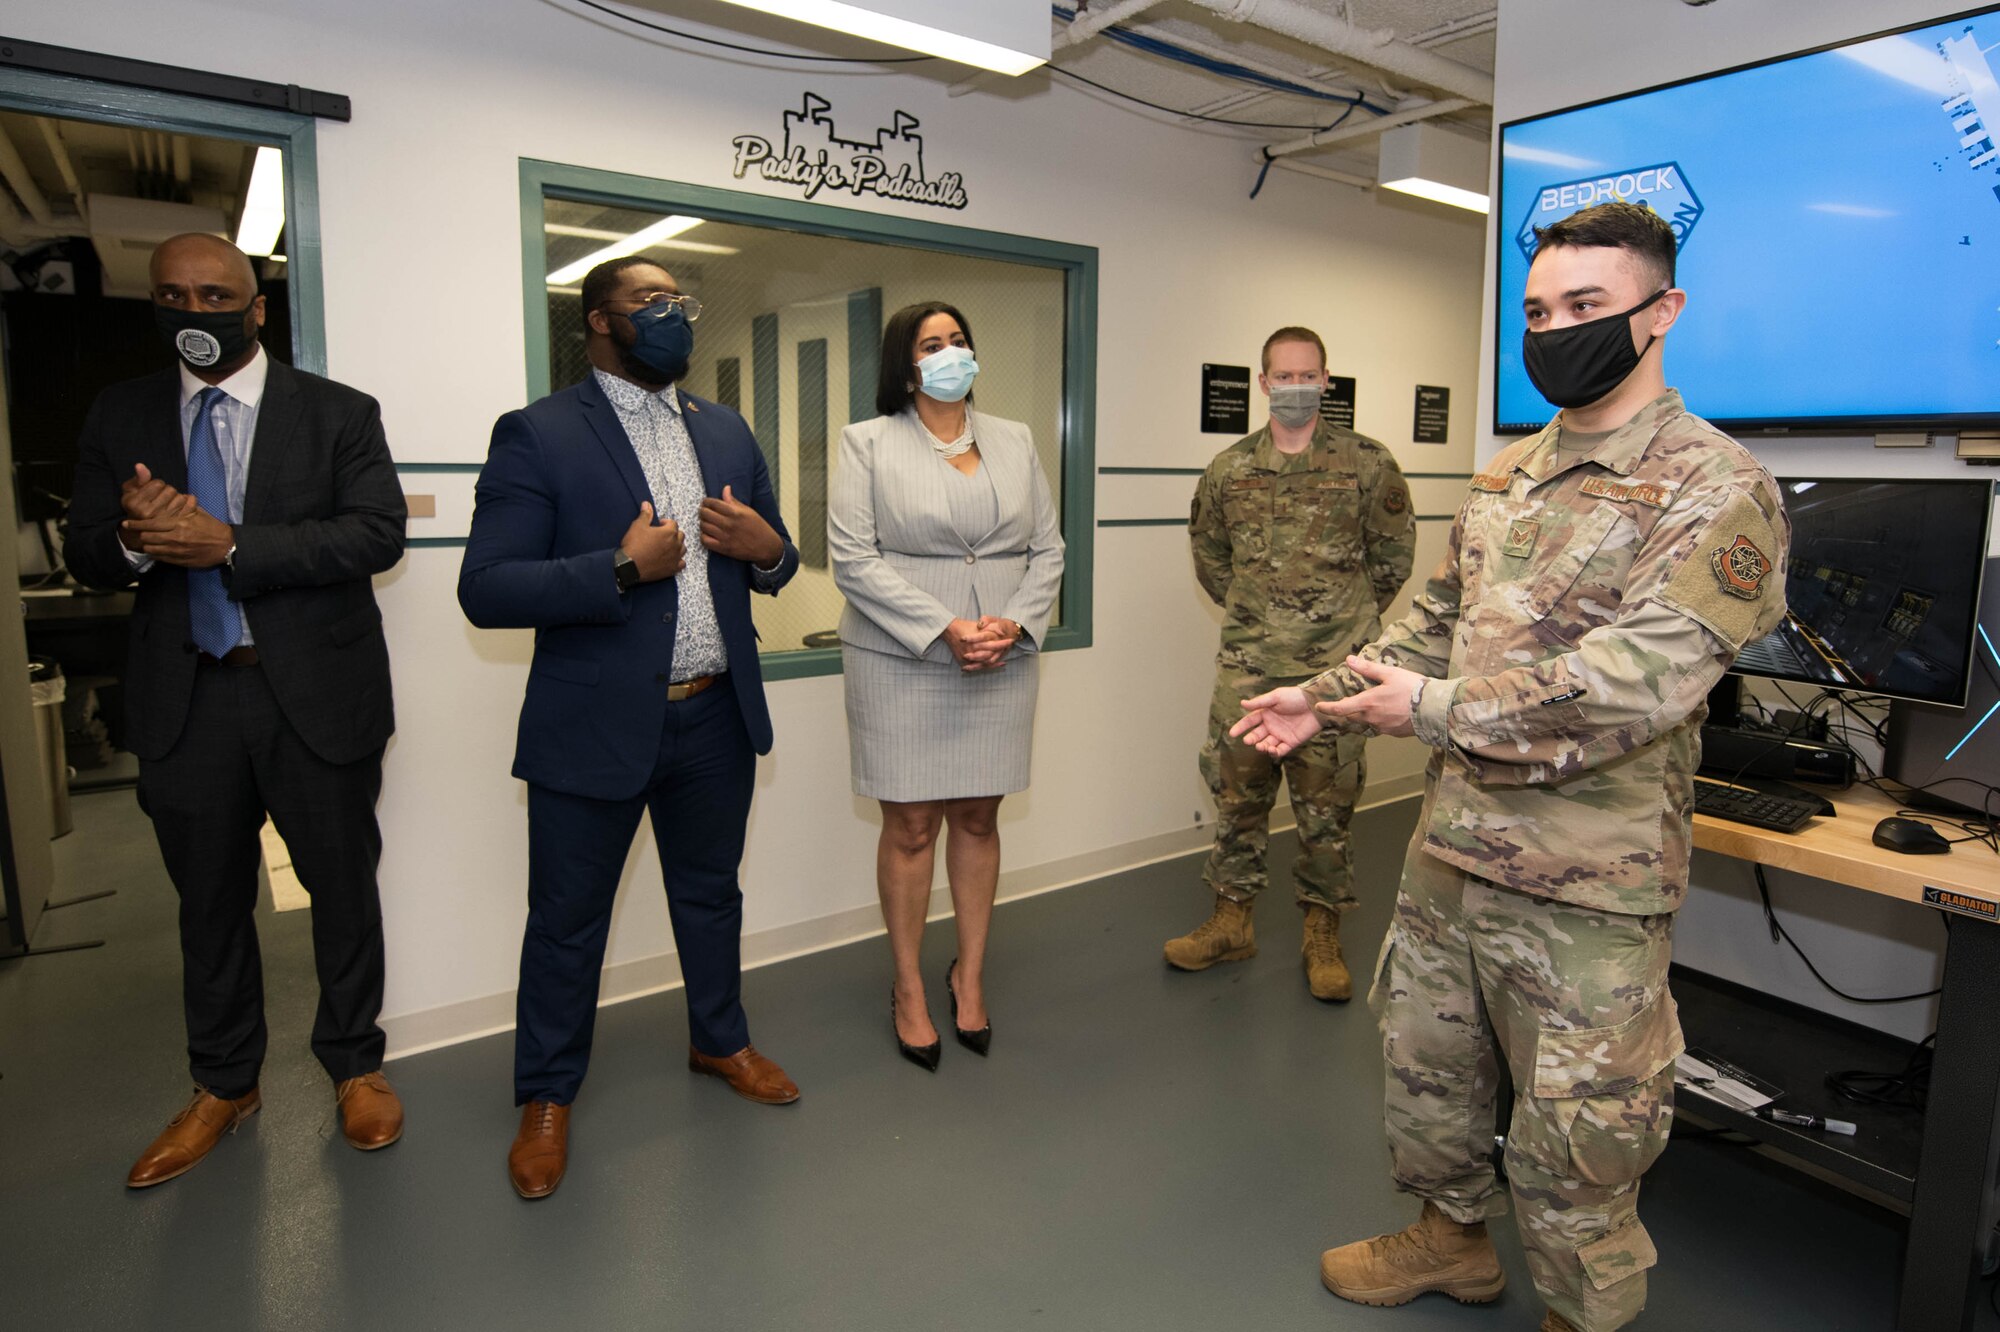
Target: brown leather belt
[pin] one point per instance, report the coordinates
(689, 688)
(246, 655)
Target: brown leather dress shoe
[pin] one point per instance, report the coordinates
(371, 1115)
(541, 1149)
(749, 1074)
(190, 1135)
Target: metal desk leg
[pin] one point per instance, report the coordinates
(1955, 1169)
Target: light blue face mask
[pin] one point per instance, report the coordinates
(947, 373)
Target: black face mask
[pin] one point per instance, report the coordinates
(205, 339)
(1575, 366)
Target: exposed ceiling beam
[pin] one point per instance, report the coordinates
(19, 179)
(1378, 48)
(59, 150)
(1085, 26)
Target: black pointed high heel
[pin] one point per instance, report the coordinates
(976, 1041)
(924, 1056)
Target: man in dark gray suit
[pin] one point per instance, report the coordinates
(250, 503)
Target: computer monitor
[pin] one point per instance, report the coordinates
(1951, 756)
(1882, 587)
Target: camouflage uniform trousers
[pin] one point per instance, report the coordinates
(1575, 1000)
(1324, 777)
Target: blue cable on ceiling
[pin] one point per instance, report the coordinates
(1224, 68)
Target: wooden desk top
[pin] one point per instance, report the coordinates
(1840, 850)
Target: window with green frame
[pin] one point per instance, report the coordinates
(794, 296)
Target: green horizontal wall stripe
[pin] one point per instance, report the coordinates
(1182, 522)
(439, 467)
(1197, 471)
(427, 543)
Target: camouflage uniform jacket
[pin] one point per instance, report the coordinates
(1302, 551)
(1582, 611)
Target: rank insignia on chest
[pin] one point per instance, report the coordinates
(1521, 534)
(1740, 568)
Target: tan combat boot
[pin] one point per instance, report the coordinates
(1226, 936)
(1437, 1253)
(1326, 970)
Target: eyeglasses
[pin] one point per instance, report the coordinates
(690, 307)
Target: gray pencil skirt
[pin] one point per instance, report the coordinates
(925, 730)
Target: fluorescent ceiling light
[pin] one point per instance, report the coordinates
(599, 233)
(644, 238)
(903, 32)
(1439, 192)
(263, 204)
(1434, 164)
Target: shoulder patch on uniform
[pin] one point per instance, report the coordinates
(1740, 568)
(1395, 499)
(1650, 493)
(1726, 582)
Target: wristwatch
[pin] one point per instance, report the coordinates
(625, 571)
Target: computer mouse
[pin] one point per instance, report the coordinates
(1912, 837)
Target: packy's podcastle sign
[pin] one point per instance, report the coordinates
(814, 158)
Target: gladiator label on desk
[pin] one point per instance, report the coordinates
(1964, 904)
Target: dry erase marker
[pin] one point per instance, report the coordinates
(1791, 1120)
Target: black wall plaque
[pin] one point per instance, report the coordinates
(1433, 415)
(1336, 406)
(1225, 399)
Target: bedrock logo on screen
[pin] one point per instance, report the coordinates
(1661, 187)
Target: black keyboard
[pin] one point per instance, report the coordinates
(1778, 811)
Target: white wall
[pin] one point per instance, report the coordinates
(421, 217)
(1557, 53)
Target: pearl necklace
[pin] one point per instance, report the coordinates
(957, 446)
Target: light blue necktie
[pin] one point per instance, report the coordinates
(210, 613)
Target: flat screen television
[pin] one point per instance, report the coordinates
(1881, 588)
(1838, 217)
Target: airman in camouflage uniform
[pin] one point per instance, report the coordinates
(1593, 591)
(1302, 550)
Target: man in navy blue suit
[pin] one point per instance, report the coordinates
(645, 692)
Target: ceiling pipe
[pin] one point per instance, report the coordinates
(1085, 26)
(1378, 48)
(19, 179)
(183, 161)
(1323, 173)
(1369, 128)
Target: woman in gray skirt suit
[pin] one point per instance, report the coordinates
(945, 541)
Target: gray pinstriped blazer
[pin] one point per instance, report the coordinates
(903, 567)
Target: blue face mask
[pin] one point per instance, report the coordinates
(948, 373)
(665, 340)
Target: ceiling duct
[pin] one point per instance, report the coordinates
(124, 232)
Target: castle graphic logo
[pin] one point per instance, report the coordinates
(1662, 187)
(813, 157)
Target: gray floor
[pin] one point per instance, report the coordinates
(1144, 1150)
